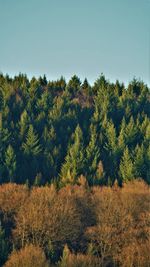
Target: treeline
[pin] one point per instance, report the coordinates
(57, 131)
(75, 226)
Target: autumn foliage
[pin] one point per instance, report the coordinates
(75, 226)
(29, 256)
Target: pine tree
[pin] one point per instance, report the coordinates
(147, 134)
(126, 166)
(4, 141)
(148, 165)
(51, 153)
(111, 136)
(86, 89)
(31, 145)
(73, 85)
(111, 151)
(121, 137)
(23, 123)
(85, 85)
(139, 162)
(92, 156)
(31, 157)
(10, 163)
(131, 133)
(74, 161)
(144, 125)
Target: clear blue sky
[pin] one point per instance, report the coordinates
(83, 37)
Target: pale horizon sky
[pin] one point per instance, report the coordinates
(82, 37)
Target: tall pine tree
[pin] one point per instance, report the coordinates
(31, 145)
(74, 161)
(126, 167)
(10, 163)
(31, 160)
(92, 156)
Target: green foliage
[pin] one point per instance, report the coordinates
(31, 145)
(74, 161)
(74, 85)
(10, 163)
(23, 123)
(126, 166)
(139, 162)
(147, 178)
(38, 119)
(65, 256)
(92, 157)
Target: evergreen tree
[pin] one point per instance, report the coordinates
(100, 83)
(139, 162)
(126, 167)
(92, 156)
(118, 88)
(148, 165)
(73, 85)
(4, 141)
(31, 163)
(31, 145)
(131, 133)
(147, 134)
(24, 121)
(43, 80)
(86, 87)
(111, 151)
(111, 136)
(51, 153)
(10, 163)
(74, 161)
(121, 137)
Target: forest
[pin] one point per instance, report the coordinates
(55, 132)
(74, 172)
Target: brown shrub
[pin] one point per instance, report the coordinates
(135, 254)
(29, 256)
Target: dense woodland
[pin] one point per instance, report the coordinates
(75, 226)
(74, 173)
(53, 131)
